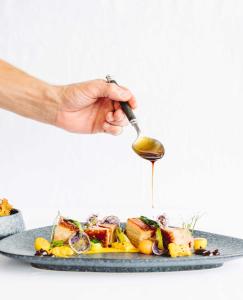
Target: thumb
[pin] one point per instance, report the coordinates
(112, 91)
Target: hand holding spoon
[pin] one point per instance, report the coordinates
(146, 147)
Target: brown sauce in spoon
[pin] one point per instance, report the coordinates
(152, 150)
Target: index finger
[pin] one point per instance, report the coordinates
(132, 101)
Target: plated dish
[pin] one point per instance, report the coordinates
(70, 238)
(21, 247)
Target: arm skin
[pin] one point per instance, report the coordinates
(87, 107)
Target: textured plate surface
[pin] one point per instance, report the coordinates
(20, 246)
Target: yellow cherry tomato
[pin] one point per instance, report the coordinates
(200, 243)
(41, 243)
(145, 247)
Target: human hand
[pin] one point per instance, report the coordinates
(92, 107)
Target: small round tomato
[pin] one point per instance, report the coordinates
(145, 247)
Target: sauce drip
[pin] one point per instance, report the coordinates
(152, 184)
(152, 150)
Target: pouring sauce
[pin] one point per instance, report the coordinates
(152, 150)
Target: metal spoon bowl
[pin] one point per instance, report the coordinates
(148, 148)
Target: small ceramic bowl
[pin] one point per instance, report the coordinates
(11, 224)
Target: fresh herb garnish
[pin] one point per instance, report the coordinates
(95, 241)
(57, 244)
(149, 222)
(192, 223)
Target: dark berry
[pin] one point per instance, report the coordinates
(216, 252)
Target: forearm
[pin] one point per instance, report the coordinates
(26, 95)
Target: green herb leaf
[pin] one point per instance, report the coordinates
(57, 244)
(159, 238)
(95, 241)
(149, 222)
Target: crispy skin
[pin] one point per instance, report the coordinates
(178, 236)
(137, 231)
(64, 230)
(112, 229)
(99, 233)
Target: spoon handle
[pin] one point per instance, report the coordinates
(124, 105)
(128, 111)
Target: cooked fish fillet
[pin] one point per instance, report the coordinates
(178, 236)
(64, 230)
(100, 233)
(137, 231)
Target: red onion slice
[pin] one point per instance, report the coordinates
(79, 242)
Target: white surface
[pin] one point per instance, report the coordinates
(183, 60)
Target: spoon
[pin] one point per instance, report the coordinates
(146, 147)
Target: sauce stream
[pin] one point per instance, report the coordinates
(152, 150)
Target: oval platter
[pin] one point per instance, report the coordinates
(20, 247)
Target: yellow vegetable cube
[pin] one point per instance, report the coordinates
(96, 246)
(200, 243)
(145, 247)
(62, 251)
(179, 250)
(41, 243)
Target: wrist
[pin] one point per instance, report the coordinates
(52, 96)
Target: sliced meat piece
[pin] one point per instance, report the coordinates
(179, 236)
(64, 230)
(99, 233)
(137, 231)
(112, 228)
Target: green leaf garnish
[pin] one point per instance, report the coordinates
(95, 241)
(159, 238)
(57, 244)
(149, 222)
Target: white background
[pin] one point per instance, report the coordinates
(183, 60)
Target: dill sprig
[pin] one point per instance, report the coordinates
(192, 223)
